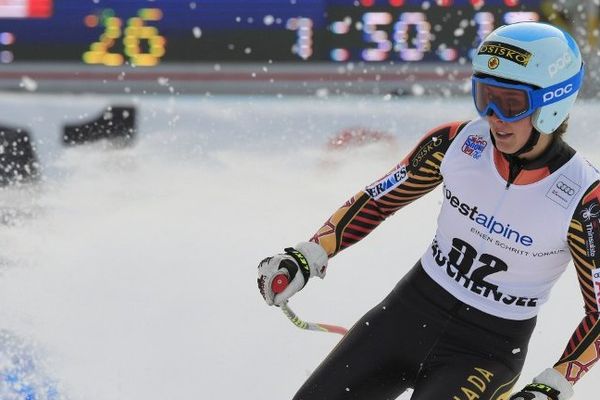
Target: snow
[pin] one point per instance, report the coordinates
(135, 269)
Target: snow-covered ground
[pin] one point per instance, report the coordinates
(135, 269)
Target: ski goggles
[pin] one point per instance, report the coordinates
(513, 101)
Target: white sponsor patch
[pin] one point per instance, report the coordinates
(563, 191)
(596, 279)
(388, 182)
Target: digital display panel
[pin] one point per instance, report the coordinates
(146, 33)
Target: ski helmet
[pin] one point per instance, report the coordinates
(536, 54)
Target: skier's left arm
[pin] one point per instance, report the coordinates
(583, 349)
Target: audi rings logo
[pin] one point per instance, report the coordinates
(563, 191)
(565, 188)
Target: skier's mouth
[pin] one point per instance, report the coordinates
(503, 135)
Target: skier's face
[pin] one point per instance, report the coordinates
(510, 136)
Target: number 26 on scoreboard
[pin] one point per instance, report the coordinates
(132, 36)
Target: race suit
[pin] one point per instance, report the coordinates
(458, 324)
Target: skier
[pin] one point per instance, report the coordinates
(518, 204)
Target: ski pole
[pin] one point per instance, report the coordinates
(278, 285)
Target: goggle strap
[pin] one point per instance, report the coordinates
(553, 94)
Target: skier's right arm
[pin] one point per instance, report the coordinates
(416, 175)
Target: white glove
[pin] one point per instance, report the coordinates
(549, 385)
(306, 260)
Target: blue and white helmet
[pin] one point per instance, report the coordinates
(536, 54)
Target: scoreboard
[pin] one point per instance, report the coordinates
(145, 33)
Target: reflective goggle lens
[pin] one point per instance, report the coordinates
(509, 102)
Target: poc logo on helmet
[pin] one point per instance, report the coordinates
(559, 64)
(558, 93)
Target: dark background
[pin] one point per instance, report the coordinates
(263, 30)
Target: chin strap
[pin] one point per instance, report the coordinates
(534, 137)
(515, 164)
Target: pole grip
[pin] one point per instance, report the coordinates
(279, 283)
